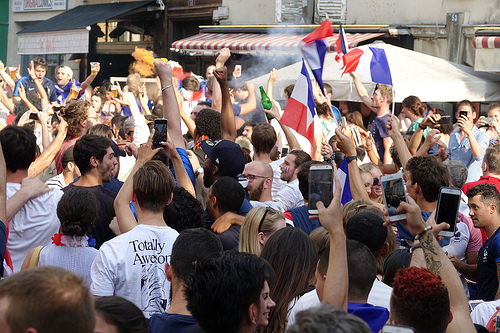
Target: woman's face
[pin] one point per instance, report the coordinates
(101, 326)
(376, 189)
(367, 180)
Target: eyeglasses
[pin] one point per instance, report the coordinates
(253, 177)
(376, 181)
(268, 210)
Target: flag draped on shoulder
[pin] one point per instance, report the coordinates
(341, 45)
(300, 110)
(343, 177)
(370, 63)
(314, 47)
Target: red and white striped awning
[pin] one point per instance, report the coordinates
(253, 43)
(486, 42)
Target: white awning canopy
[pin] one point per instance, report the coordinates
(430, 78)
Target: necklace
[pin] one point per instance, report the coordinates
(73, 241)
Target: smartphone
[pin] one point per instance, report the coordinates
(394, 193)
(463, 114)
(447, 208)
(488, 121)
(284, 151)
(444, 120)
(320, 186)
(160, 127)
(34, 116)
(388, 328)
(237, 70)
(343, 124)
(55, 118)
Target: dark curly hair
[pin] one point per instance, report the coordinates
(208, 123)
(420, 300)
(184, 212)
(76, 211)
(74, 113)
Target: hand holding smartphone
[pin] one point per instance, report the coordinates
(447, 209)
(160, 127)
(394, 193)
(320, 186)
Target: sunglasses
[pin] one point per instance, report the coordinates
(376, 181)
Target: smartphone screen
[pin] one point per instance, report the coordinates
(320, 186)
(394, 193)
(284, 151)
(447, 209)
(55, 118)
(160, 132)
(33, 116)
(463, 114)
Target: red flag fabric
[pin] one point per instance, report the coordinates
(323, 31)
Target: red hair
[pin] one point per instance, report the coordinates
(417, 283)
(420, 300)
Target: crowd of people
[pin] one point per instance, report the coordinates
(209, 229)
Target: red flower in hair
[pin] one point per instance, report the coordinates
(56, 239)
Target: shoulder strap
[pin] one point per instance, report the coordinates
(36, 255)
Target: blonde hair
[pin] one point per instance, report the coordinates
(249, 239)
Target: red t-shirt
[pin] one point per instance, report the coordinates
(485, 179)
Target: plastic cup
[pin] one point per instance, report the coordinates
(93, 68)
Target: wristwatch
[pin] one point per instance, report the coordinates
(349, 159)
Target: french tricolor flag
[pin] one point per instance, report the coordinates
(341, 45)
(370, 63)
(314, 47)
(343, 177)
(300, 110)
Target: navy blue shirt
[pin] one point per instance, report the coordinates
(171, 322)
(30, 87)
(379, 132)
(487, 260)
(301, 220)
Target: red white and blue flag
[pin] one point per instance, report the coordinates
(341, 45)
(343, 177)
(300, 110)
(370, 63)
(314, 47)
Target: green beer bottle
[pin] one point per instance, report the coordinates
(266, 102)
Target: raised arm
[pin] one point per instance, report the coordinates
(170, 106)
(275, 112)
(94, 67)
(252, 101)
(393, 125)
(362, 92)
(224, 54)
(41, 90)
(181, 174)
(6, 76)
(273, 77)
(48, 154)
(337, 282)
(227, 124)
(438, 263)
(125, 217)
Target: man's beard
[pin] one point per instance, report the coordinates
(255, 195)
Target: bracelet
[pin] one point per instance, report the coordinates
(368, 150)
(415, 247)
(166, 87)
(427, 228)
(420, 126)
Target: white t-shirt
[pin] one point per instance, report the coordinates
(289, 196)
(380, 295)
(33, 225)
(271, 204)
(483, 312)
(132, 266)
(277, 182)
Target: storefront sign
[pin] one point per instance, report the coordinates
(38, 5)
